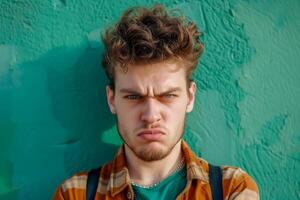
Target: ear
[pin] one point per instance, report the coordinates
(191, 97)
(110, 99)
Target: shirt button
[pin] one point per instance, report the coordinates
(129, 195)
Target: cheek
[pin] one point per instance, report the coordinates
(178, 108)
(175, 115)
(127, 118)
(177, 112)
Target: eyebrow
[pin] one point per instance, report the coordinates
(169, 90)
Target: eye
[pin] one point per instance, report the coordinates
(169, 96)
(133, 97)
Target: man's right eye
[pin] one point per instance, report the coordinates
(133, 97)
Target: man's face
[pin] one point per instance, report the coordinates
(151, 102)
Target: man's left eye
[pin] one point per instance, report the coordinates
(169, 96)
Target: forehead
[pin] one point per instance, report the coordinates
(153, 76)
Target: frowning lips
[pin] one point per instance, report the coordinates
(152, 134)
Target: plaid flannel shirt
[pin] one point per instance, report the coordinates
(114, 181)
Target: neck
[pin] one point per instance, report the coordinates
(147, 173)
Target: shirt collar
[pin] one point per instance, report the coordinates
(119, 177)
(197, 168)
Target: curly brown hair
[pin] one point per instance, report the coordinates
(151, 35)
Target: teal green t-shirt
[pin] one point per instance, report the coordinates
(167, 189)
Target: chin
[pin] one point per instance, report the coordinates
(152, 152)
(151, 156)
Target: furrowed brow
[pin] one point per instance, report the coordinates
(130, 91)
(170, 90)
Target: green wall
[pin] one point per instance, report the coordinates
(54, 119)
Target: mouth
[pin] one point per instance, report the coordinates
(151, 135)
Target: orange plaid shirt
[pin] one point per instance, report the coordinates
(114, 181)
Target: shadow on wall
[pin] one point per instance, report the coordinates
(59, 110)
(79, 104)
(7, 126)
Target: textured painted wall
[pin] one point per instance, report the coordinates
(54, 120)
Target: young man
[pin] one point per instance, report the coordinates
(149, 59)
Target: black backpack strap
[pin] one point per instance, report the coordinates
(92, 183)
(215, 181)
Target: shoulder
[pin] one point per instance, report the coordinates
(77, 181)
(74, 187)
(237, 184)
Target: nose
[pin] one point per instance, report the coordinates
(151, 112)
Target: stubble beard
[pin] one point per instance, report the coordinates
(147, 153)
